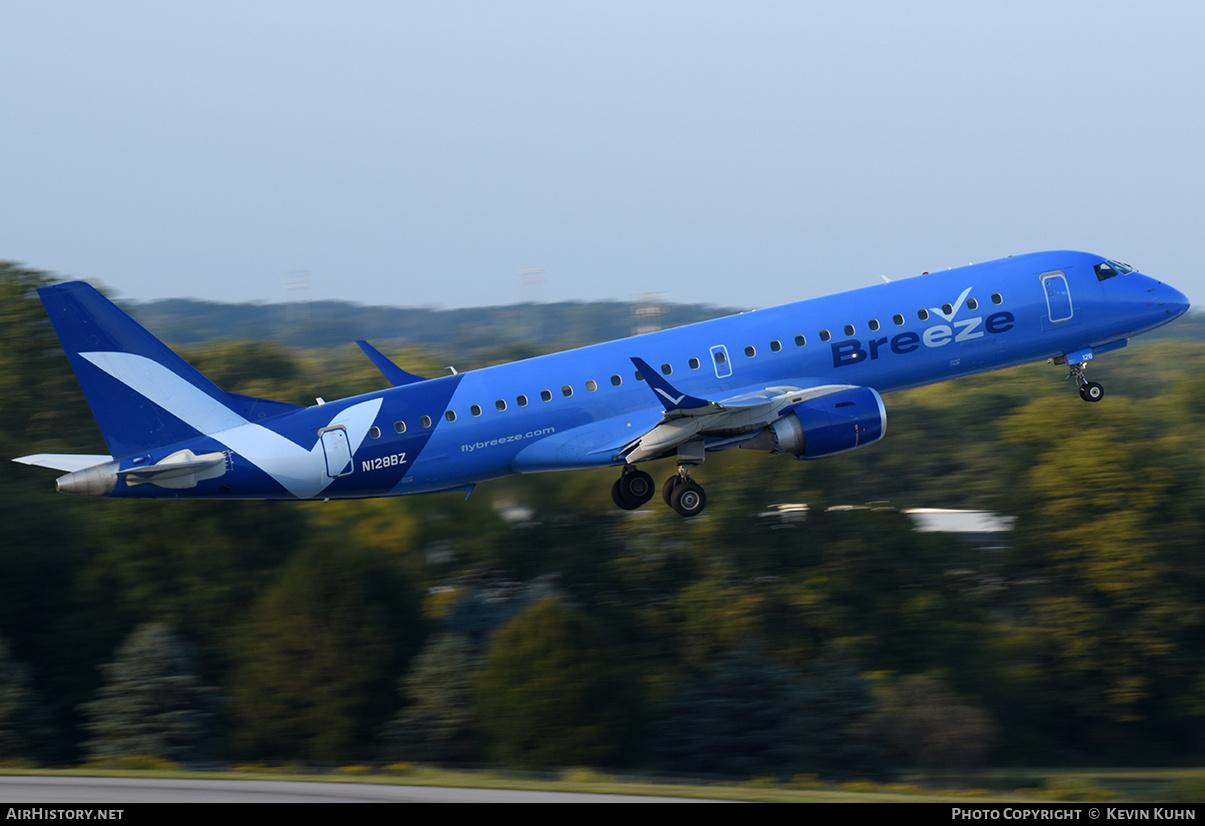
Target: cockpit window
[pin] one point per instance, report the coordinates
(1110, 269)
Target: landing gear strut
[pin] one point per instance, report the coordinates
(1089, 391)
(680, 492)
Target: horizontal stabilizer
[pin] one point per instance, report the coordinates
(394, 374)
(64, 461)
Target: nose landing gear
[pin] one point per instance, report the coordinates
(1089, 391)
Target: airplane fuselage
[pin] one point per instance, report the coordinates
(585, 407)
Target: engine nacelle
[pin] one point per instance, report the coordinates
(828, 424)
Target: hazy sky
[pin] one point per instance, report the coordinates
(742, 153)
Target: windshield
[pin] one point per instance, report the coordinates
(1110, 269)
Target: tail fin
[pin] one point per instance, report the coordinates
(141, 392)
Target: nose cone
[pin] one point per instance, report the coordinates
(1145, 303)
(1174, 302)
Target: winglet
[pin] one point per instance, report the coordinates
(394, 374)
(671, 397)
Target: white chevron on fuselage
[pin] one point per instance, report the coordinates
(299, 470)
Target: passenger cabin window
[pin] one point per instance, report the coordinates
(720, 358)
(374, 432)
(591, 385)
(400, 427)
(566, 391)
(997, 298)
(824, 335)
(500, 404)
(616, 380)
(897, 320)
(948, 309)
(546, 395)
(750, 352)
(849, 329)
(475, 410)
(775, 346)
(521, 401)
(873, 324)
(425, 421)
(694, 364)
(972, 304)
(922, 314)
(666, 369)
(800, 341)
(450, 415)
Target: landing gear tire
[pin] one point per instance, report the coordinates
(1089, 391)
(619, 500)
(688, 498)
(667, 490)
(637, 486)
(632, 489)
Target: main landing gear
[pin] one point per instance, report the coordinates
(635, 487)
(680, 492)
(1089, 391)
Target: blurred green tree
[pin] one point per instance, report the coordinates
(554, 691)
(197, 565)
(924, 725)
(25, 729)
(318, 657)
(439, 724)
(1092, 496)
(835, 700)
(152, 703)
(742, 718)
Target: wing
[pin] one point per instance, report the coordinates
(806, 418)
(754, 413)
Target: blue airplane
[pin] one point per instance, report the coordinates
(802, 380)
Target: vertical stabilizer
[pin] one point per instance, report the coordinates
(121, 367)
